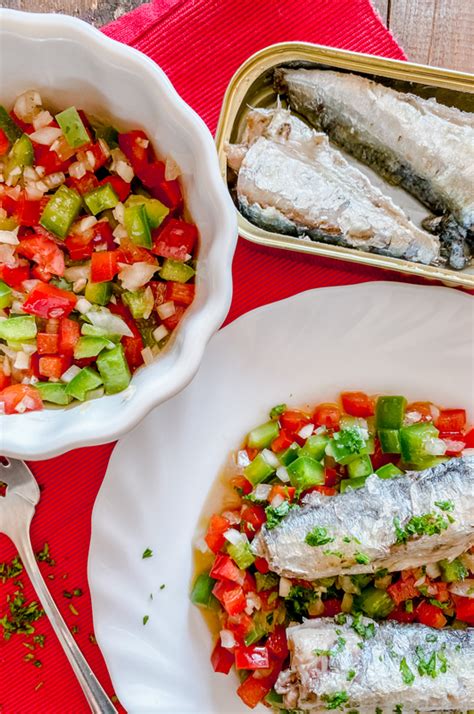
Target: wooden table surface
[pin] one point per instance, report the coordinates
(438, 32)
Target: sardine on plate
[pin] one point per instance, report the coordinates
(405, 522)
(389, 667)
(292, 181)
(426, 147)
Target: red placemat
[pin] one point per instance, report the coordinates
(199, 44)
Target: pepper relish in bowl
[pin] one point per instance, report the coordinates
(97, 256)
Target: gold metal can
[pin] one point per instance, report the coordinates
(252, 86)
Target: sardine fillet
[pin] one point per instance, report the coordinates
(291, 180)
(361, 525)
(426, 147)
(376, 667)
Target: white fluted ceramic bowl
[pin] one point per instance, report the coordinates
(70, 62)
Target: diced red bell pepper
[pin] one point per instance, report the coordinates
(44, 252)
(4, 143)
(253, 517)
(79, 245)
(327, 415)
(130, 143)
(430, 615)
(14, 276)
(49, 160)
(331, 477)
(251, 453)
(283, 441)
(150, 173)
(277, 644)
(214, 537)
(132, 253)
(358, 404)
(47, 343)
(286, 492)
(253, 657)
(132, 346)
(231, 596)
(103, 236)
(222, 659)
(51, 366)
(224, 568)
(176, 239)
(401, 615)
(332, 606)
(181, 293)
(325, 490)
(254, 689)
(293, 420)
(403, 589)
(169, 193)
(159, 292)
(11, 397)
(99, 157)
(262, 565)
(249, 584)
(69, 334)
(27, 212)
(121, 187)
(5, 380)
(46, 300)
(104, 265)
(464, 609)
(451, 421)
(241, 484)
(83, 185)
(469, 439)
(172, 322)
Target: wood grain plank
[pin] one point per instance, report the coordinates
(436, 32)
(383, 9)
(97, 12)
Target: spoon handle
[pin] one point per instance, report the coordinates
(98, 700)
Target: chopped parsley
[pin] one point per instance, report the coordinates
(340, 644)
(367, 632)
(22, 616)
(431, 665)
(277, 411)
(351, 439)
(299, 600)
(44, 556)
(275, 515)
(398, 709)
(11, 570)
(340, 619)
(318, 536)
(407, 675)
(145, 619)
(428, 524)
(445, 505)
(336, 553)
(350, 675)
(147, 553)
(361, 558)
(335, 701)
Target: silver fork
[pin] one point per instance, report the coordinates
(17, 509)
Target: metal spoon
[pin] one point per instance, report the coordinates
(17, 509)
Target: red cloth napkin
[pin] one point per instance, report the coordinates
(199, 44)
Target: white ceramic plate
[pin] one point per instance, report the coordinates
(379, 337)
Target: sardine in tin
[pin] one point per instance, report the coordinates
(251, 86)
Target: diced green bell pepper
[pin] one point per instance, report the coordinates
(53, 392)
(73, 127)
(315, 446)
(6, 298)
(61, 211)
(94, 331)
(305, 472)
(176, 271)
(266, 581)
(412, 442)
(389, 412)
(352, 483)
(21, 155)
(389, 471)
(258, 470)
(155, 211)
(389, 441)
(83, 382)
(277, 411)
(100, 199)
(453, 571)
(114, 370)
(140, 302)
(201, 594)
(274, 700)
(91, 346)
(106, 132)
(137, 226)
(263, 435)
(290, 454)
(360, 467)
(375, 603)
(18, 329)
(241, 554)
(8, 126)
(98, 293)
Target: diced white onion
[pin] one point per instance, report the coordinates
(75, 272)
(33, 193)
(22, 360)
(201, 545)
(119, 212)
(79, 285)
(166, 309)
(125, 171)
(54, 180)
(7, 255)
(70, 373)
(160, 333)
(29, 349)
(83, 306)
(463, 589)
(172, 170)
(149, 302)
(434, 412)
(271, 458)
(320, 430)
(253, 603)
(284, 587)
(136, 275)
(420, 581)
(42, 119)
(232, 516)
(119, 233)
(282, 474)
(29, 285)
(77, 169)
(104, 147)
(17, 307)
(9, 237)
(147, 355)
(227, 639)
(30, 174)
(433, 570)
(468, 452)
(234, 536)
(26, 105)
(306, 431)
(46, 136)
(262, 491)
(347, 602)
(24, 404)
(277, 500)
(6, 368)
(144, 143)
(467, 560)
(111, 324)
(87, 223)
(242, 458)
(435, 447)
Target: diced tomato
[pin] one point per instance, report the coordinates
(159, 292)
(262, 565)
(331, 477)
(293, 420)
(253, 657)
(442, 593)
(451, 421)
(132, 346)
(453, 446)
(17, 396)
(69, 334)
(224, 568)
(403, 590)
(46, 300)
(169, 193)
(251, 453)
(47, 343)
(181, 293)
(51, 366)
(131, 144)
(214, 537)
(327, 415)
(282, 442)
(172, 322)
(79, 245)
(241, 484)
(231, 596)
(249, 584)
(27, 212)
(357, 404)
(253, 517)
(103, 236)
(222, 659)
(240, 625)
(4, 143)
(99, 157)
(422, 409)
(253, 690)
(83, 185)
(121, 187)
(401, 615)
(44, 252)
(464, 609)
(104, 265)
(175, 240)
(133, 253)
(430, 615)
(49, 160)
(332, 606)
(5, 380)
(151, 174)
(14, 276)
(286, 492)
(277, 644)
(469, 439)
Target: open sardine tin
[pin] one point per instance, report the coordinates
(252, 87)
